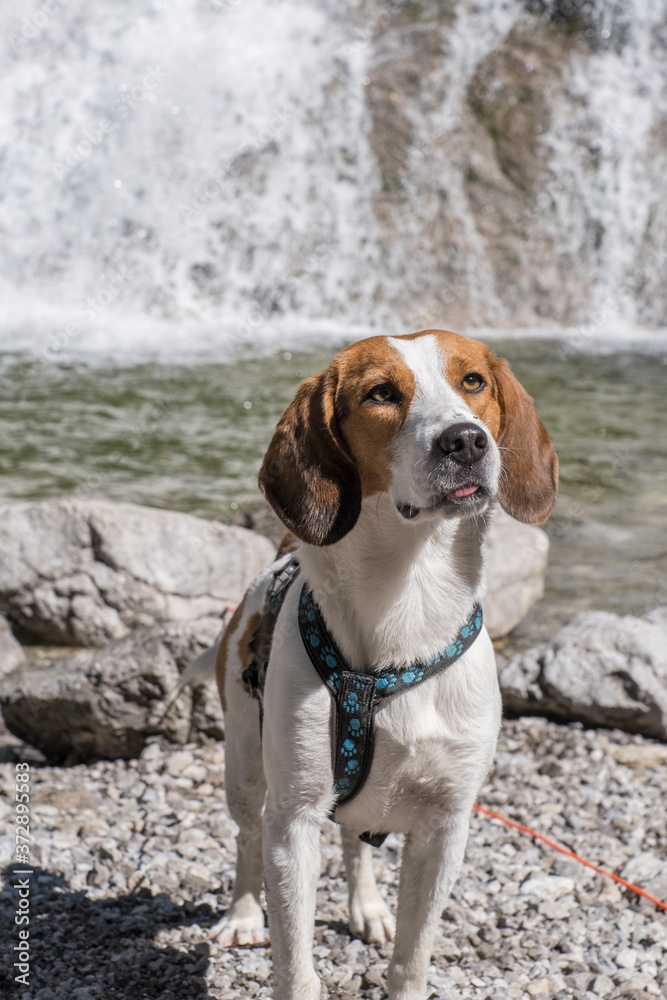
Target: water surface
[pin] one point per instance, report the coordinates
(191, 438)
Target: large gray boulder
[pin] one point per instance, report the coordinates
(601, 669)
(106, 704)
(515, 561)
(84, 572)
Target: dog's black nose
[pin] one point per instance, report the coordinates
(465, 443)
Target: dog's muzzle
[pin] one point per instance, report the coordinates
(457, 479)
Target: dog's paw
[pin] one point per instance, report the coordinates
(371, 920)
(242, 926)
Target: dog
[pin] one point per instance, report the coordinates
(385, 468)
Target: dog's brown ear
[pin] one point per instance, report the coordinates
(529, 473)
(308, 475)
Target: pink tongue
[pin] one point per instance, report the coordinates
(464, 491)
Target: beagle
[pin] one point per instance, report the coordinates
(385, 467)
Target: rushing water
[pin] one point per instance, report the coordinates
(231, 161)
(192, 438)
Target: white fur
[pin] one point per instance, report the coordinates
(435, 407)
(391, 591)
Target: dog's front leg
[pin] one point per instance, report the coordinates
(370, 918)
(291, 870)
(432, 857)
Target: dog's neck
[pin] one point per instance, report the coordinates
(393, 592)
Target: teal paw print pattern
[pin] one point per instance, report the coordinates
(351, 702)
(392, 681)
(354, 725)
(357, 695)
(413, 676)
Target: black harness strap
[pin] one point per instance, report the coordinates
(356, 695)
(254, 676)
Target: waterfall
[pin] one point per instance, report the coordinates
(220, 174)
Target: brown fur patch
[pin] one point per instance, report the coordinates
(223, 653)
(529, 477)
(463, 357)
(369, 428)
(223, 649)
(246, 638)
(308, 475)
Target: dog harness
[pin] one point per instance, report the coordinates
(356, 696)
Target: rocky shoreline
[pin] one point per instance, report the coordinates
(133, 848)
(134, 859)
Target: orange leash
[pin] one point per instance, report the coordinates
(571, 854)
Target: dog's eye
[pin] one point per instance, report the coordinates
(385, 393)
(473, 382)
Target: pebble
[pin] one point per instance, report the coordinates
(178, 762)
(642, 756)
(626, 959)
(602, 986)
(547, 887)
(138, 862)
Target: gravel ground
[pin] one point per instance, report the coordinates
(133, 861)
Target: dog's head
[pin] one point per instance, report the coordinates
(432, 418)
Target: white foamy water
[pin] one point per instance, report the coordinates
(194, 179)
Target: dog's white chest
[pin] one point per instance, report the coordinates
(432, 744)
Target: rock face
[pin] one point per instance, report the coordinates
(601, 669)
(106, 704)
(84, 572)
(262, 519)
(515, 561)
(11, 651)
